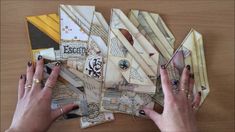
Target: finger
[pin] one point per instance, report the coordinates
(184, 81)
(38, 75)
(196, 101)
(63, 110)
(166, 87)
(29, 77)
(51, 81)
(152, 115)
(21, 86)
(191, 85)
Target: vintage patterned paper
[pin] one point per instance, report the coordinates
(99, 35)
(84, 34)
(75, 26)
(130, 56)
(155, 30)
(194, 55)
(101, 118)
(66, 93)
(125, 101)
(88, 67)
(138, 46)
(93, 95)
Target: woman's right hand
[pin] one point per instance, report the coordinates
(179, 109)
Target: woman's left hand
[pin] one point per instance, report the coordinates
(33, 111)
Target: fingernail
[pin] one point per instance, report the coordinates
(142, 112)
(163, 67)
(188, 67)
(175, 82)
(48, 70)
(191, 75)
(75, 107)
(200, 94)
(58, 63)
(39, 57)
(29, 63)
(22, 76)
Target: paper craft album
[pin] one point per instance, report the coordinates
(112, 68)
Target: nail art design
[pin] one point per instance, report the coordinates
(58, 63)
(39, 57)
(142, 112)
(29, 63)
(188, 67)
(191, 75)
(175, 82)
(163, 67)
(200, 94)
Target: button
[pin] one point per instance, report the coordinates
(124, 64)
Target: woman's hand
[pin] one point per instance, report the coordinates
(33, 111)
(179, 109)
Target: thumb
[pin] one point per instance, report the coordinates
(63, 110)
(152, 115)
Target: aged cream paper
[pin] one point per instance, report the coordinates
(124, 101)
(155, 30)
(130, 56)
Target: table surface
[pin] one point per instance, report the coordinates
(213, 18)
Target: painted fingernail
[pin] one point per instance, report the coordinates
(142, 112)
(188, 67)
(191, 75)
(29, 63)
(39, 57)
(57, 63)
(175, 82)
(23, 76)
(163, 67)
(200, 94)
(75, 107)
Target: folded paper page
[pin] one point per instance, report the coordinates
(125, 101)
(92, 89)
(89, 65)
(75, 26)
(155, 30)
(130, 56)
(190, 52)
(194, 56)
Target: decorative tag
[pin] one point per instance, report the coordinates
(93, 66)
